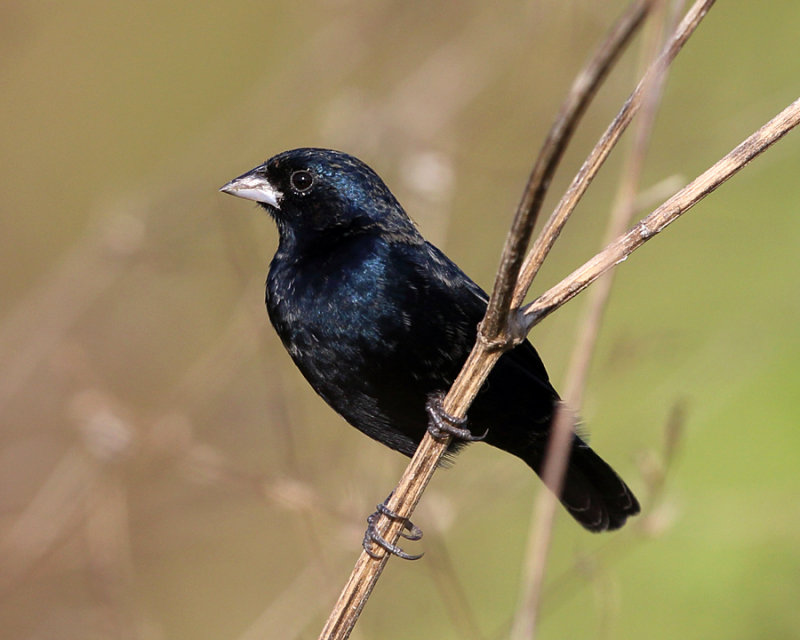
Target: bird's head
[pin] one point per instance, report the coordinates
(321, 193)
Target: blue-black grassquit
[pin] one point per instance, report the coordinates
(378, 320)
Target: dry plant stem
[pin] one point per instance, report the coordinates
(484, 356)
(597, 157)
(621, 215)
(658, 220)
(405, 497)
(613, 254)
(540, 536)
(572, 109)
(485, 353)
(527, 615)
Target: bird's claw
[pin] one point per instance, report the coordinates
(414, 532)
(372, 536)
(441, 424)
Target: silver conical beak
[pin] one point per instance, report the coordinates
(254, 186)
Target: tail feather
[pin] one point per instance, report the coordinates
(592, 492)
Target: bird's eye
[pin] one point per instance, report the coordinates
(301, 181)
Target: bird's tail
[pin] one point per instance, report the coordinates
(592, 492)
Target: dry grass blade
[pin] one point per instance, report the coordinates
(423, 464)
(572, 109)
(658, 220)
(483, 357)
(621, 215)
(616, 252)
(597, 157)
(540, 535)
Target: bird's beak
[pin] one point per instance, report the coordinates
(254, 186)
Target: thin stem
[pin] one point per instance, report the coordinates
(544, 243)
(485, 354)
(572, 109)
(658, 220)
(540, 536)
(621, 216)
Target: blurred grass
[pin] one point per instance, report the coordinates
(164, 470)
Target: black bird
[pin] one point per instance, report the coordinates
(379, 320)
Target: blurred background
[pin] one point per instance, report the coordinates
(165, 472)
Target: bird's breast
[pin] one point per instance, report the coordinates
(324, 301)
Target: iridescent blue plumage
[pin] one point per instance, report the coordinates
(377, 319)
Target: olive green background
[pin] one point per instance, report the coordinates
(165, 472)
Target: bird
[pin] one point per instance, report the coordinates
(380, 321)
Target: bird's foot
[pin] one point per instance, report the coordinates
(410, 531)
(441, 424)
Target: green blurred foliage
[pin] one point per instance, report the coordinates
(164, 470)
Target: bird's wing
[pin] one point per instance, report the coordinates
(523, 357)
